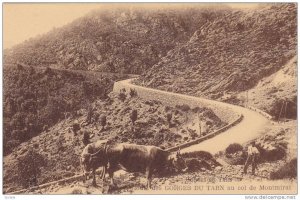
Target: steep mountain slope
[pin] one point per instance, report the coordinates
(117, 40)
(275, 94)
(229, 54)
(35, 99)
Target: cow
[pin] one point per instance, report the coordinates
(92, 157)
(141, 158)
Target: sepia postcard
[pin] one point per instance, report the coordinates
(150, 98)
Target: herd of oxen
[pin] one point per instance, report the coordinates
(128, 157)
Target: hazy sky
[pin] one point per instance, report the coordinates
(22, 21)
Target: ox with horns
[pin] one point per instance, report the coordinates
(142, 158)
(94, 156)
(130, 158)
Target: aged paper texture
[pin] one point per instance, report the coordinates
(150, 98)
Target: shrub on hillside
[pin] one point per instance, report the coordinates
(30, 167)
(75, 127)
(275, 153)
(86, 138)
(233, 148)
(122, 96)
(133, 116)
(103, 122)
(60, 143)
(132, 92)
(289, 170)
(169, 118)
(284, 108)
(183, 107)
(77, 191)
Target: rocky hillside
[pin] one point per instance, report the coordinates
(115, 40)
(275, 94)
(155, 124)
(229, 54)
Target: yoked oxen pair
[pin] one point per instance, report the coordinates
(138, 158)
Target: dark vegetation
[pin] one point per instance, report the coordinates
(86, 138)
(29, 168)
(103, 122)
(283, 108)
(272, 147)
(289, 170)
(200, 161)
(233, 148)
(235, 154)
(35, 99)
(133, 116)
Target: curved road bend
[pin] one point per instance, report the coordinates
(249, 128)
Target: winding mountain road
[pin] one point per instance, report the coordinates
(249, 128)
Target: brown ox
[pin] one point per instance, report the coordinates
(93, 157)
(141, 158)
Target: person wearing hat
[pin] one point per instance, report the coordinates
(252, 158)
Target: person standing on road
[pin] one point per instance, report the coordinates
(252, 158)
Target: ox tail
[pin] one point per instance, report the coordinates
(85, 174)
(83, 171)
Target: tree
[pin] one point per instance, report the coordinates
(29, 168)
(89, 114)
(76, 127)
(169, 118)
(132, 92)
(86, 138)
(103, 122)
(122, 96)
(60, 143)
(133, 116)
